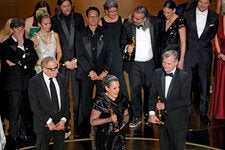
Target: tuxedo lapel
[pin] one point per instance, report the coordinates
(13, 44)
(61, 91)
(163, 84)
(208, 24)
(44, 88)
(194, 24)
(100, 43)
(87, 44)
(151, 32)
(133, 31)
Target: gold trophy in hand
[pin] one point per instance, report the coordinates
(158, 113)
(130, 56)
(112, 113)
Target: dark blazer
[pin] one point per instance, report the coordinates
(40, 102)
(178, 97)
(84, 51)
(200, 46)
(64, 34)
(129, 31)
(17, 76)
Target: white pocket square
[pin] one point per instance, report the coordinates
(211, 25)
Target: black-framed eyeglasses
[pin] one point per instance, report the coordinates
(53, 69)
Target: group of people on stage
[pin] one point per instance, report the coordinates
(167, 56)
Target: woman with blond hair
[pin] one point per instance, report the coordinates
(5, 32)
(46, 41)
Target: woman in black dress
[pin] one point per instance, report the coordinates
(109, 116)
(113, 22)
(173, 31)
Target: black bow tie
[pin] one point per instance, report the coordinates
(169, 74)
(140, 26)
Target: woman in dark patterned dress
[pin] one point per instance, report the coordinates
(109, 116)
(173, 31)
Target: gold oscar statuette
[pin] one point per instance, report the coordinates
(158, 112)
(130, 56)
(112, 113)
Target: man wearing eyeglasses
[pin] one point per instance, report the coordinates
(94, 61)
(49, 101)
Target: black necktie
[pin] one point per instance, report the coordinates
(169, 74)
(54, 97)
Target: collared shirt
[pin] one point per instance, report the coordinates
(168, 80)
(201, 18)
(143, 46)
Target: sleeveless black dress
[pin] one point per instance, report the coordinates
(116, 69)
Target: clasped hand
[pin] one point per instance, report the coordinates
(59, 126)
(93, 75)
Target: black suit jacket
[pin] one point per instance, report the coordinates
(64, 34)
(40, 102)
(178, 97)
(84, 51)
(129, 31)
(17, 76)
(200, 48)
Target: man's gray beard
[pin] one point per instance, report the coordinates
(144, 25)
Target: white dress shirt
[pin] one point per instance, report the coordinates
(201, 18)
(143, 46)
(168, 80)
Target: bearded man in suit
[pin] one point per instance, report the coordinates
(140, 39)
(170, 84)
(50, 107)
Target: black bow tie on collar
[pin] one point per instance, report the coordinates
(169, 74)
(140, 26)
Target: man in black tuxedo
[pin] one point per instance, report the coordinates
(202, 24)
(170, 84)
(50, 107)
(140, 39)
(19, 58)
(94, 60)
(67, 23)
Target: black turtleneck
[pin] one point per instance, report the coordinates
(67, 20)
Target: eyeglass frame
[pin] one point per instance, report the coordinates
(53, 69)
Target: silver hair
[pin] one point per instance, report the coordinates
(169, 53)
(46, 60)
(108, 80)
(142, 10)
(110, 3)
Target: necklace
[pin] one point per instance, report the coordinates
(45, 37)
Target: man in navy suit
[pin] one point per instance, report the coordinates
(49, 114)
(202, 24)
(170, 84)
